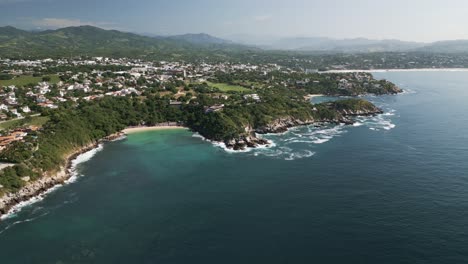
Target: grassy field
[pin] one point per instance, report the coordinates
(34, 121)
(26, 79)
(224, 87)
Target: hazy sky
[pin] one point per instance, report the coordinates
(418, 20)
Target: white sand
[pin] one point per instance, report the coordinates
(131, 130)
(402, 70)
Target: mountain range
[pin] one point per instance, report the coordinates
(93, 41)
(356, 45)
(88, 40)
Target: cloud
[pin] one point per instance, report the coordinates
(262, 18)
(53, 23)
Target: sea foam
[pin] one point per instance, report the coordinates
(74, 175)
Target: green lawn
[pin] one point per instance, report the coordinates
(224, 87)
(34, 121)
(27, 79)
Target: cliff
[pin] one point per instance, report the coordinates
(339, 112)
(49, 179)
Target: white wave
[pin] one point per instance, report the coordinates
(119, 138)
(389, 126)
(407, 91)
(294, 140)
(357, 124)
(272, 152)
(82, 158)
(299, 143)
(298, 155)
(13, 212)
(321, 140)
(23, 221)
(379, 122)
(86, 156)
(223, 146)
(197, 135)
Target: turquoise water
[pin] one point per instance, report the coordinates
(393, 189)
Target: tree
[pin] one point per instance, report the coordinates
(6, 76)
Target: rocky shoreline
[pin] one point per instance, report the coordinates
(49, 180)
(248, 140)
(282, 125)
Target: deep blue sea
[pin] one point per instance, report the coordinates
(391, 189)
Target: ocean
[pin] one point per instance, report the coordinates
(390, 189)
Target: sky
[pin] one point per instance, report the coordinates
(410, 20)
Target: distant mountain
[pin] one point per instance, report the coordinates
(343, 45)
(201, 39)
(450, 46)
(357, 45)
(93, 41)
(9, 32)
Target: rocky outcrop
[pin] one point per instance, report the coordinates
(344, 113)
(250, 141)
(361, 112)
(114, 137)
(281, 125)
(393, 89)
(32, 189)
(40, 186)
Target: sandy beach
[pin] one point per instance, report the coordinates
(131, 130)
(311, 96)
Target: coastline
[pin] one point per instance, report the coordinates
(36, 190)
(399, 70)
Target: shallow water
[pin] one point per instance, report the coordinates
(392, 189)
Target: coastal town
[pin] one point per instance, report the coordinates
(44, 102)
(68, 81)
(135, 78)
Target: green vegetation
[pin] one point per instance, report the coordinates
(224, 87)
(92, 41)
(6, 76)
(352, 104)
(28, 121)
(72, 127)
(27, 79)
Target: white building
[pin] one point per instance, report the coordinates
(26, 109)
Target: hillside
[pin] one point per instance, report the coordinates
(201, 39)
(92, 41)
(451, 46)
(343, 45)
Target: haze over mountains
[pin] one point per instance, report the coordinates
(88, 40)
(96, 41)
(323, 44)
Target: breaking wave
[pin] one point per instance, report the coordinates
(74, 175)
(304, 142)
